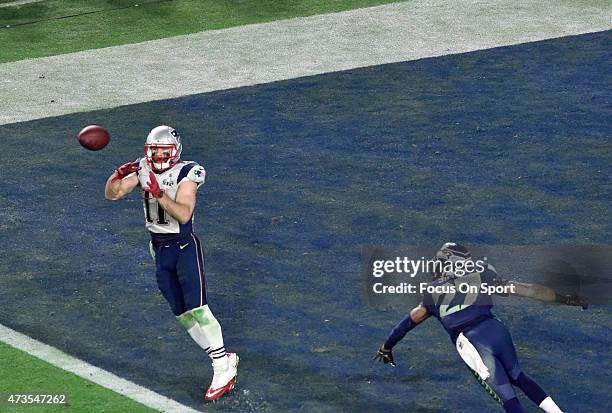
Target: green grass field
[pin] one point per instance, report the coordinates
(24, 374)
(61, 26)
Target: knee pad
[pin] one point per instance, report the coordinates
(187, 320)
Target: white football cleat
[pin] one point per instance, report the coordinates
(224, 378)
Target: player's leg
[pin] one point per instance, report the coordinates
(190, 269)
(536, 393)
(225, 365)
(167, 281)
(166, 259)
(193, 329)
(211, 330)
(506, 353)
(476, 347)
(497, 384)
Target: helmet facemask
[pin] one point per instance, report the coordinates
(162, 148)
(161, 157)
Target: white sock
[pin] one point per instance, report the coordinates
(549, 406)
(199, 337)
(211, 331)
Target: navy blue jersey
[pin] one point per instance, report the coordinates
(457, 310)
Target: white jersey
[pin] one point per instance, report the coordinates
(158, 221)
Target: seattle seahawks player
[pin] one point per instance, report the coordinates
(169, 196)
(481, 339)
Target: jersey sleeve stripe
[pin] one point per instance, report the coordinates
(184, 171)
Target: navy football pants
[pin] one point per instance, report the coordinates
(494, 344)
(180, 273)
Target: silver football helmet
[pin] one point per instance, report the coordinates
(163, 148)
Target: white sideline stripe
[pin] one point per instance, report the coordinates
(19, 3)
(286, 49)
(92, 373)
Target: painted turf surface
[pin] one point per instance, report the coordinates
(505, 146)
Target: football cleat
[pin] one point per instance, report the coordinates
(224, 378)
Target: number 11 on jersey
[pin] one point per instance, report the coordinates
(152, 204)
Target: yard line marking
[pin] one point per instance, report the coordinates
(19, 3)
(89, 372)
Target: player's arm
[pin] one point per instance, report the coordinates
(543, 293)
(122, 181)
(181, 208)
(417, 316)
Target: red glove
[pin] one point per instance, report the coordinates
(153, 186)
(126, 169)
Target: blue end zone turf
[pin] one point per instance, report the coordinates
(503, 146)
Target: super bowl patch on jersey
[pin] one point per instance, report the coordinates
(197, 174)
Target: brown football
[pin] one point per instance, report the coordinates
(94, 137)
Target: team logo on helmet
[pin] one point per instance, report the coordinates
(448, 257)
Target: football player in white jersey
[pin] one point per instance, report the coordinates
(169, 187)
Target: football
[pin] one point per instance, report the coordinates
(94, 137)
